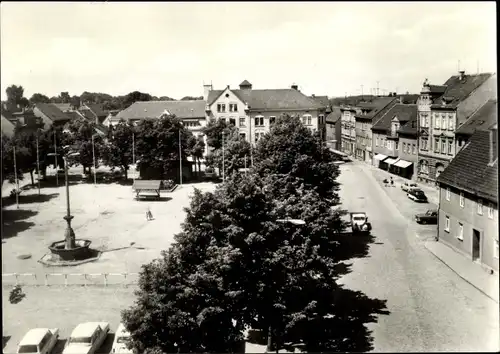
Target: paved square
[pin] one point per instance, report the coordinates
(106, 214)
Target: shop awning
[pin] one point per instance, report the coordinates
(380, 157)
(403, 163)
(391, 161)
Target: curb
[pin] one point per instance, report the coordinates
(457, 273)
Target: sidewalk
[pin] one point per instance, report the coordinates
(471, 272)
(431, 192)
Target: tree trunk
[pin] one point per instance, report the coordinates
(126, 174)
(269, 340)
(32, 179)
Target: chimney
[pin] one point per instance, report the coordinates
(462, 74)
(295, 87)
(493, 145)
(206, 90)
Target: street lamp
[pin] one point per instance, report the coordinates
(93, 157)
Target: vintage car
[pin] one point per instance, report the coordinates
(417, 195)
(121, 339)
(39, 340)
(87, 338)
(408, 185)
(430, 217)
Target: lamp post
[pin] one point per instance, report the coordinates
(15, 177)
(180, 157)
(38, 160)
(93, 157)
(55, 157)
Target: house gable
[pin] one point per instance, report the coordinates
(227, 96)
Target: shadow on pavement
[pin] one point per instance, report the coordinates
(59, 347)
(12, 222)
(5, 339)
(29, 199)
(346, 245)
(161, 199)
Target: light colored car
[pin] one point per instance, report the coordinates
(408, 185)
(39, 340)
(87, 337)
(121, 338)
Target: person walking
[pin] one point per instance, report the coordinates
(149, 215)
(392, 182)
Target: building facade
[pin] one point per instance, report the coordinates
(348, 129)
(254, 111)
(468, 207)
(394, 140)
(440, 110)
(333, 129)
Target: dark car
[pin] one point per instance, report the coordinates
(430, 217)
(417, 195)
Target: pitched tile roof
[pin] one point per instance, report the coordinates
(470, 170)
(7, 126)
(245, 83)
(457, 90)
(404, 113)
(154, 109)
(482, 119)
(375, 107)
(74, 115)
(52, 111)
(409, 127)
(97, 109)
(322, 100)
(63, 106)
(88, 114)
(334, 116)
(270, 99)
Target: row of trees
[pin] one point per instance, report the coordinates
(15, 95)
(234, 266)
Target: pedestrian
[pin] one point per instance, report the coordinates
(149, 215)
(392, 182)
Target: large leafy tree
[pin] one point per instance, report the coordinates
(233, 156)
(81, 141)
(196, 149)
(118, 150)
(15, 96)
(134, 97)
(39, 98)
(214, 130)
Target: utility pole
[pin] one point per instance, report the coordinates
(15, 177)
(38, 161)
(133, 155)
(362, 95)
(93, 157)
(377, 87)
(55, 157)
(180, 157)
(245, 165)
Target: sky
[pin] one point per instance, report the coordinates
(172, 49)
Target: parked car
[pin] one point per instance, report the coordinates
(87, 338)
(121, 338)
(39, 341)
(430, 217)
(408, 185)
(210, 173)
(417, 195)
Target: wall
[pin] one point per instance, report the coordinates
(470, 219)
(390, 150)
(412, 156)
(333, 133)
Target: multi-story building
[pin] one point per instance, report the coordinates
(333, 127)
(370, 112)
(348, 129)
(254, 111)
(394, 140)
(468, 206)
(440, 110)
(482, 119)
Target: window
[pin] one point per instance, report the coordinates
(259, 121)
(437, 122)
(443, 121)
(450, 122)
(306, 119)
(258, 136)
(462, 199)
(490, 211)
(480, 207)
(232, 120)
(221, 107)
(321, 118)
(397, 145)
(447, 224)
(414, 146)
(436, 144)
(404, 147)
(448, 194)
(423, 143)
(223, 119)
(242, 136)
(443, 146)
(460, 234)
(243, 121)
(450, 146)
(233, 107)
(272, 119)
(376, 141)
(424, 120)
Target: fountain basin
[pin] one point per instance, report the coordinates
(80, 252)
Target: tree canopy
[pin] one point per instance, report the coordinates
(15, 96)
(118, 151)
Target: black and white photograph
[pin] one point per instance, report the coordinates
(249, 177)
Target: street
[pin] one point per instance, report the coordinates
(431, 308)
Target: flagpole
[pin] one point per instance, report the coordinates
(55, 157)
